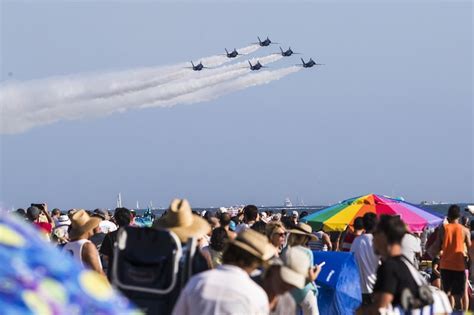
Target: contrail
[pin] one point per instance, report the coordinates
(17, 119)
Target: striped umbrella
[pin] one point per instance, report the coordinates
(339, 216)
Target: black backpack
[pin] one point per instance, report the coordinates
(150, 267)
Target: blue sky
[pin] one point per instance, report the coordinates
(390, 112)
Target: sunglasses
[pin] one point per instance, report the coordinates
(280, 234)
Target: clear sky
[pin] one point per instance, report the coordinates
(391, 111)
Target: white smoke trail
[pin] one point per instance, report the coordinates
(25, 96)
(19, 121)
(218, 90)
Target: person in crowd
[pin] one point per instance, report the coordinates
(228, 289)
(365, 257)
(33, 214)
(226, 221)
(435, 279)
(55, 213)
(133, 215)
(181, 221)
(293, 271)
(219, 240)
(411, 248)
(250, 213)
(335, 237)
(106, 225)
(21, 213)
(393, 275)
(455, 239)
(123, 218)
(276, 217)
(81, 248)
(303, 214)
(276, 234)
(305, 298)
(60, 231)
(465, 222)
(98, 237)
(349, 236)
(259, 226)
(322, 243)
(295, 217)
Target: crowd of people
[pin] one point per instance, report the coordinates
(261, 262)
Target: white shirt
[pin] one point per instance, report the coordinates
(410, 246)
(75, 249)
(286, 305)
(106, 226)
(241, 227)
(225, 290)
(366, 260)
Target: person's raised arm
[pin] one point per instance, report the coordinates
(46, 213)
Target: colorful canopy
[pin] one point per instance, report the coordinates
(36, 278)
(337, 217)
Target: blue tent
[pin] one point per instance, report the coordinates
(338, 283)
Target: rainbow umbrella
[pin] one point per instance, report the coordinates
(339, 216)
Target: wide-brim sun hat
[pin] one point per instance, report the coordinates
(254, 243)
(303, 229)
(296, 266)
(180, 220)
(81, 223)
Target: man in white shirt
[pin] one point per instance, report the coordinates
(228, 289)
(411, 248)
(250, 217)
(367, 262)
(105, 225)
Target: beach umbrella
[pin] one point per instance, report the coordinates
(339, 216)
(37, 278)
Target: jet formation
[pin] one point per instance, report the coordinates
(265, 43)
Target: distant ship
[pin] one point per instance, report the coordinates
(288, 203)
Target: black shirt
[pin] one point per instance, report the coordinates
(393, 276)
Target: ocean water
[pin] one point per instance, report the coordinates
(438, 209)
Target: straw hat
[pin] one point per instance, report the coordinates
(303, 229)
(81, 223)
(296, 266)
(255, 243)
(180, 220)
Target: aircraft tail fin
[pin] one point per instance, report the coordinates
(302, 61)
(226, 51)
(192, 64)
(281, 50)
(259, 39)
(250, 63)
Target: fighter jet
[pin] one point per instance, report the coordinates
(310, 63)
(266, 42)
(232, 54)
(288, 52)
(256, 66)
(197, 67)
